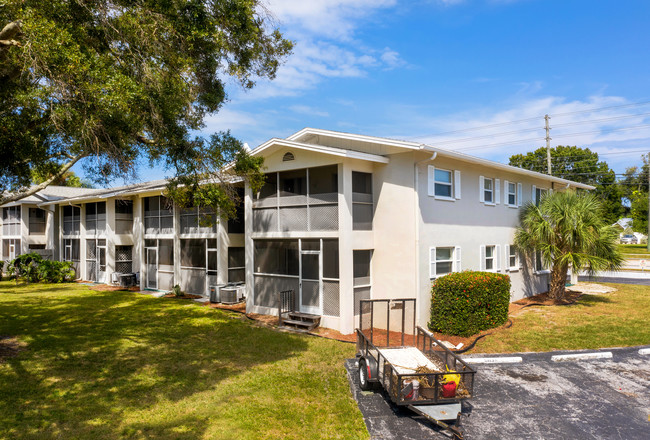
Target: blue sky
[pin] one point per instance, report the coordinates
(416, 70)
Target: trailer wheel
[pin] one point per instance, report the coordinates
(364, 384)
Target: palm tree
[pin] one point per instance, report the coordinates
(568, 229)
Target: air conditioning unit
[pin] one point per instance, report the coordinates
(229, 295)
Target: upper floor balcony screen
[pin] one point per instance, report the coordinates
(298, 201)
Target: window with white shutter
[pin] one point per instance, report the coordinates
(443, 260)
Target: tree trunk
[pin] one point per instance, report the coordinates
(557, 289)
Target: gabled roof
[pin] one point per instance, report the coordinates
(308, 133)
(275, 143)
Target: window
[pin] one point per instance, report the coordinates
(362, 205)
(36, 221)
(444, 260)
(195, 220)
(123, 217)
(124, 259)
(279, 257)
(71, 220)
(71, 249)
(441, 185)
(36, 247)
(331, 259)
(488, 191)
(490, 258)
(236, 224)
(11, 220)
(95, 218)
(158, 215)
(540, 267)
(512, 258)
(193, 253)
(236, 264)
(361, 267)
(513, 194)
(538, 194)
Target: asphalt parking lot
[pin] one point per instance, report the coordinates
(535, 399)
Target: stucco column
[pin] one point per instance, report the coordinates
(177, 245)
(110, 240)
(49, 229)
(346, 273)
(248, 246)
(222, 251)
(83, 266)
(24, 229)
(138, 240)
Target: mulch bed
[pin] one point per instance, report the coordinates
(10, 347)
(184, 296)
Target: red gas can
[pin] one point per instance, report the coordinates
(449, 389)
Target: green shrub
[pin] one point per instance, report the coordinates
(177, 291)
(33, 268)
(2, 264)
(465, 303)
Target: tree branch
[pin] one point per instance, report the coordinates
(10, 30)
(36, 188)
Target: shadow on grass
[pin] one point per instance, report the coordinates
(592, 300)
(95, 357)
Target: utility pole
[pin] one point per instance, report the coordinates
(548, 146)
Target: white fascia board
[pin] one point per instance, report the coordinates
(355, 137)
(504, 167)
(319, 149)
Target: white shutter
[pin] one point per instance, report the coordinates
(432, 174)
(457, 258)
(519, 194)
(482, 254)
(506, 193)
(497, 191)
(481, 187)
(532, 197)
(432, 262)
(497, 257)
(457, 184)
(506, 252)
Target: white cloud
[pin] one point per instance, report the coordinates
(323, 32)
(335, 19)
(391, 58)
(609, 125)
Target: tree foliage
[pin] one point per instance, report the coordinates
(568, 229)
(580, 165)
(112, 83)
(634, 185)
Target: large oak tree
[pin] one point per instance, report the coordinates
(113, 83)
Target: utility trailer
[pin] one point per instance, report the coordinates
(414, 368)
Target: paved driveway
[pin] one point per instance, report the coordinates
(535, 399)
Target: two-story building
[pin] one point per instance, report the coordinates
(342, 217)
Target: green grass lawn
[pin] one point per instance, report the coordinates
(637, 249)
(109, 365)
(617, 319)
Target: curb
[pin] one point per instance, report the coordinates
(644, 351)
(581, 356)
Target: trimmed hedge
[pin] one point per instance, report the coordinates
(466, 303)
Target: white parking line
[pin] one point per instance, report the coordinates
(644, 351)
(494, 360)
(581, 356)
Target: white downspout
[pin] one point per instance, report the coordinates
(416, 211)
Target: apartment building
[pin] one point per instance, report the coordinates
(342, 217)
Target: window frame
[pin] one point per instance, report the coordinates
(437, 182)
(433, 262)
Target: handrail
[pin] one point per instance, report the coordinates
(286, 304)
